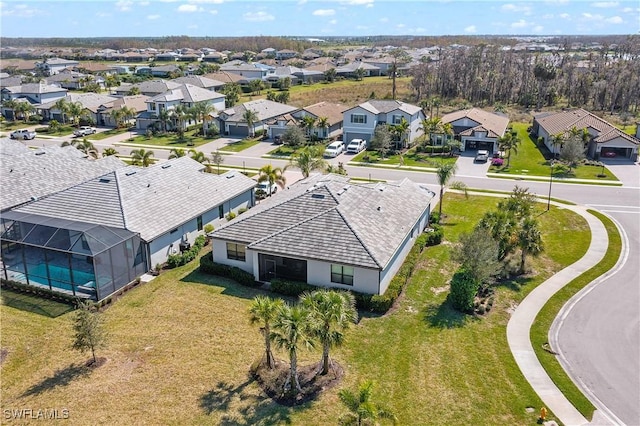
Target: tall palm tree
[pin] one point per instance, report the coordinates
(141, 157)
(273, 175)
(556, 141)
(25, 109)
(529, 240)
(401, 130)
(359, 73)
(323, 123)
(75, 111)
(509, 142)
(308, 159)
(180, 115)
(263, 310)
(444, 172)
(111, 80)
(164, 117)
(83, 146)
(332, 312)
(308, 122)
(250, 117)
(362, 410)
(291, 332)
(116, 115)
(63, 106)
(109, 151)
(202, 111)
(127, 113)
(177, 153)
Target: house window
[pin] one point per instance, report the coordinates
(220, 211)
(199, 220)
(341, 274)
(236, 252)
(396, 119)
(359, 118)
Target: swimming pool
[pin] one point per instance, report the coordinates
(60, 276)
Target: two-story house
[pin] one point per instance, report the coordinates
(270, 116)
(51, 66)
(328, 116)
(477, 129)
(34, 93)
(248, 71)
(360, 121)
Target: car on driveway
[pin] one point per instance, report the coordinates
(356, 145)
(482, 156)
(23, 134)
(84, 131)
(265, 189)
(334, 149)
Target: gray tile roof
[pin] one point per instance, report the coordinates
(263, 108)
(326, 218)
(386, 106)
(198, 80)
(38, 173)
(33, 88)
(187, 93)
(150, 201)
(89, 100)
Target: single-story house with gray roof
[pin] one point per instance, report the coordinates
(232, 121)
(328, 232)
(93, 238)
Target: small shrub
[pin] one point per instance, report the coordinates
(242, 210)
(175, 260)
(498, 162)
(434, 218)
(290, 288)
(208, 228)
(208, 266)
(231, 216)
(434, 235)
(421, 241)
(463, 291)
(481, 310)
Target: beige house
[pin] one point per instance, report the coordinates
(477, 129)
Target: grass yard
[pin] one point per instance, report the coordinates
(530, 161)
(107, 134)
(542, 324)
(63, 130)
(283, 151)
(180, 348)
(13, 125)
(171, 140)
(410, 158)
(240, 145)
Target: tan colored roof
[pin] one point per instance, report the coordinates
(563, 122)
(321, 67)
(494, 124)
(326, 109)
(94, 66)
(225, 77)
(136, 102)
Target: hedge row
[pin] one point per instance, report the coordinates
(38, 291)
(430, 238)
(208, 266)
(175, 260)
(290, 288)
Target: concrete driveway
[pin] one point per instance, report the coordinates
(467, 167)
(625, 170)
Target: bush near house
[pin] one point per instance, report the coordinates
(291, 288)
(37, 291)
(208, 266)
(463, 290)
(175, 260)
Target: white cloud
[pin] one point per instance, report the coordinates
(301, 2)
(258, 16)
(520, 24)
(369, 5)
(471, 29)
(605, 4)
(144, 3)
(359, 2)
(19, 10)
(516, 8)
(213, 12)
(383, 20)
(324, 12)
(124, 5)
(591, 17)
(207, 1)
(614, 20)
(361, 27)
(333, 21)
(152, 17)
(538, 28)
(627, 10)
(564, 16)
(189, 8)
(400, 26)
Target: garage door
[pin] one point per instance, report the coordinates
(612, 152)
(351, 135)
(472, 144)
(238, 131)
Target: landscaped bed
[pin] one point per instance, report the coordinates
(241, 145)
(171, 140)
(410, 158)
(180, 348)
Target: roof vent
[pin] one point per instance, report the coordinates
(232, 175)
(381, 188)
(148, 185)
(131, 172)
(105, 180)
(40, 153)
(379, 208)
(318, 196)
(165, 166)
(34, 198)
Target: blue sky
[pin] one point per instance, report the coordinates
(215, 18)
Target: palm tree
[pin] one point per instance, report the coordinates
(323, 123)
(401, 129)
(177, 153)
(127, 113)
(116, 115)
(557, 141)
(110, 81)
(201, 158)
(291, 332)
(363, 411)
(430, 126)
(164, 118)
(509, 142)
(25, 109)
(529, 240)
(179, 114)
(203, 111)
(83, 146)
(250, 117)
(330, 75)
(332, 312)
(263, 310)
(359, 73)
(141, 157)
(445, 172)
(109, 151)
(308, 159)
(75, 111)
(308, 122)
(62, 106)
(273, 175)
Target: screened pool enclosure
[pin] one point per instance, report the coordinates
(76, 258)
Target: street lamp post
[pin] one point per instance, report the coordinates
(550, 182)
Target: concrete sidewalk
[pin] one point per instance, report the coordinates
(519, 326)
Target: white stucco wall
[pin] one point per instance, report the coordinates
(364, 280)
(368, 127)
(219, 251)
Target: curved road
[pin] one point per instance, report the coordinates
(599, 334)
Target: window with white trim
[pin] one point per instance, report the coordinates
(236, 252)
(359, 118)
(396, 119)
(341, 274)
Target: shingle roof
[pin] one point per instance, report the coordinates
(150, 201)
(563, 122)
(198, 80)
(150, 87)
(263, 108)
(385, 106)
(187, 93)
(38, 173)
(326, 218)
(494, 124)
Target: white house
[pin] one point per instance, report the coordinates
(477, 129)
(51, 66)
(248, 71)
(328, 232)
(360, 121)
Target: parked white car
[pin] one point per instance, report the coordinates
(482, 156)
(23, 134)
(84, 131)
(356, 145)
(334, 149)
(264, 189)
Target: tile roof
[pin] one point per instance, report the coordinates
(494, 124)
(198, 80)
(91, 101)
(225, 77)
(41, 172)
(563, 122)
(326, 109)
(263, 108)
(150, 87)
(326, 218)
(187, 93)
(136, 102)
(150, 201)
(386, 106)
(35, 88)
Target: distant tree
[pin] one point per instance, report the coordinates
(133, 91)
(360, 73)
(202, 111)
(217, 159)
(83, 146)
(283, 97)
(330, 75)
(572, 151)
(509, 142)
(177, 153)
(164, 117)
(263, 311)
(399, 57)
(75, 110)
(444, 173)
(381, 140)
(362, 410)
(323, 123)
(63, 106)
(256, 86)
(293, 136)
(400, 133)
(24, 109)
(232, 94)
(308, 159)
(284, 83)
(198, 156)
(141, 157)
(308, 123)
(89, 333)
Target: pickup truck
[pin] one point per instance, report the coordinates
(84, 131)
(24, 134)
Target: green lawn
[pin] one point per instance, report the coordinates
(107, 134)
(283, 151)
(530, 161)
(13, 125)
(181, 345)
(240, 145)
(410, 158)
(171, 140)
(542, 324)
(63, 130)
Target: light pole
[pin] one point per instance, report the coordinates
(550, 182)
